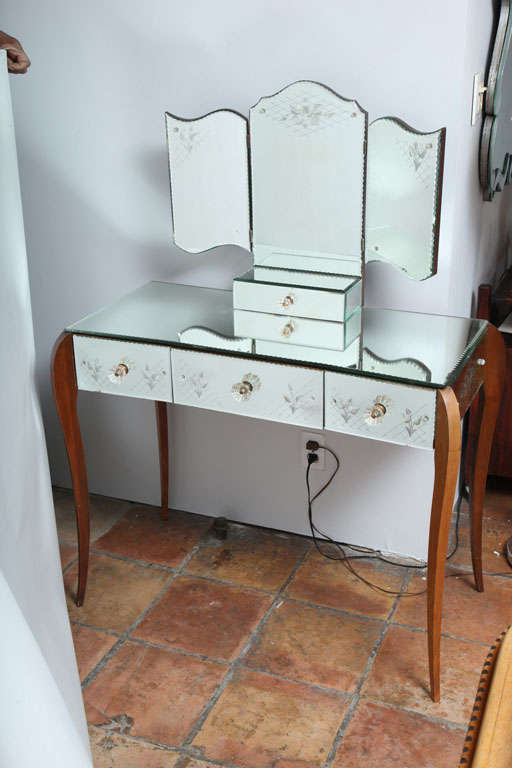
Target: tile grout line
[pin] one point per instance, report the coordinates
(216, 580)
(82, 625)
(356, 696)
(443, 634)
(142, 563)
(237, 663)
(68, 566)
(321, 688)
(430, 718)
(180, 651)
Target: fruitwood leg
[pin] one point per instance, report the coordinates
(163, 451)
(446, 461)
(486, 406)
(66, 391)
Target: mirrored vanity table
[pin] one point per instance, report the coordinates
(314, 195)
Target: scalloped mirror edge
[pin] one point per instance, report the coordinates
(210, 168)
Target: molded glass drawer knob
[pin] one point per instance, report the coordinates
(242, 390)
(377, 410)
(288, 300)
(119, 372)
(287, 330)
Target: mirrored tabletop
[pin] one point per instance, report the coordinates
(390, 344)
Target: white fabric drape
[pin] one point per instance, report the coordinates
(42, 720)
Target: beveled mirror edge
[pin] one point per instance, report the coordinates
(197, 119)
(438, 190)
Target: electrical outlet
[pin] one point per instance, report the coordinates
(320, 439)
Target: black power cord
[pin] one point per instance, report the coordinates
(312, 447)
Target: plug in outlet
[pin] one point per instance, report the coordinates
(320, 439)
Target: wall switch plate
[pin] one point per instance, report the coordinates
(477, 102)
(320, 439)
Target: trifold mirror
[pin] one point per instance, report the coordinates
(317, 172)
(315, 193)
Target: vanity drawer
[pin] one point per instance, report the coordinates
(285, 296)
(378, 409)
(346, 358)
(271, 391)
(297, 330)
(123, 368)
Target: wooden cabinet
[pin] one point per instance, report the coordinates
(495, 306)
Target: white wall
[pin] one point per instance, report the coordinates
(94, 176)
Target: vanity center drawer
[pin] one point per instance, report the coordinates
(272, 391)
(123, 368)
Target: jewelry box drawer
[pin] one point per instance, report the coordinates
(280, 292)
(374, 408)
(123, 368)
(297, 330)
(271, 391)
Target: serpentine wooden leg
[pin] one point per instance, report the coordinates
(446, 461)
(66, 392)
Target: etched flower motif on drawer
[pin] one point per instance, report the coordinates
(151, 377)
(197, 382)
(292, 399)
(295, 402)
(376, 412)
(413, 423)
(345, 408)
(93, 368)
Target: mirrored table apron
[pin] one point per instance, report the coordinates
(407, 378)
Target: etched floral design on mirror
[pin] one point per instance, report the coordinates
(403, 196)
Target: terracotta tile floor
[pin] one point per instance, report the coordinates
(256, 652)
